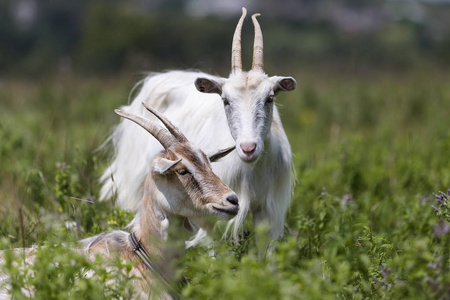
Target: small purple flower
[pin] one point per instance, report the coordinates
(433, 265)
(346, 199)
(425, 198)
(90, 199)
(442, 205)
(433, 283)
(435, 209)
(442, 228)
(385, 271)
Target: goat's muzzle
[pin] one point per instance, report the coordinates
(227, 208)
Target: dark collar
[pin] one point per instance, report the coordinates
(141, 252)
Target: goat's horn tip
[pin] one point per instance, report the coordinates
(254, 16)
(121, 113)
(244, 10)
(149, 108)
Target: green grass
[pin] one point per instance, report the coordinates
(370, 151)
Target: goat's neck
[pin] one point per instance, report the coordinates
(150, 223)
(150, 226)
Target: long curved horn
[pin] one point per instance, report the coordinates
(172, 128)
(161, 134)
(236, 52)
(258, 55)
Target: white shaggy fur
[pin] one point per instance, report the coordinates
(263, 185)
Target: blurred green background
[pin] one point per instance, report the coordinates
(100, 37)
(369, 126)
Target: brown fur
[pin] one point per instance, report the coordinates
(197, 188)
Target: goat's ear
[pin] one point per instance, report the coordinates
(221, 153)
(163, 166)
(283, 84)
(205, 85)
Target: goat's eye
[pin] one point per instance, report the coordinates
(270, 99)
(183, 171)
(225, 101)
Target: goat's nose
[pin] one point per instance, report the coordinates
(248, 148)
(233, 199)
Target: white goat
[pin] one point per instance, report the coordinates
(180, 183)
(260, 171)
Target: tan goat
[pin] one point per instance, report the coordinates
(180, 183)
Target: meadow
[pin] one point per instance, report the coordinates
(369, 218)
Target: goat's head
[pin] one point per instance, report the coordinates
(183, 174)
(248, 97)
